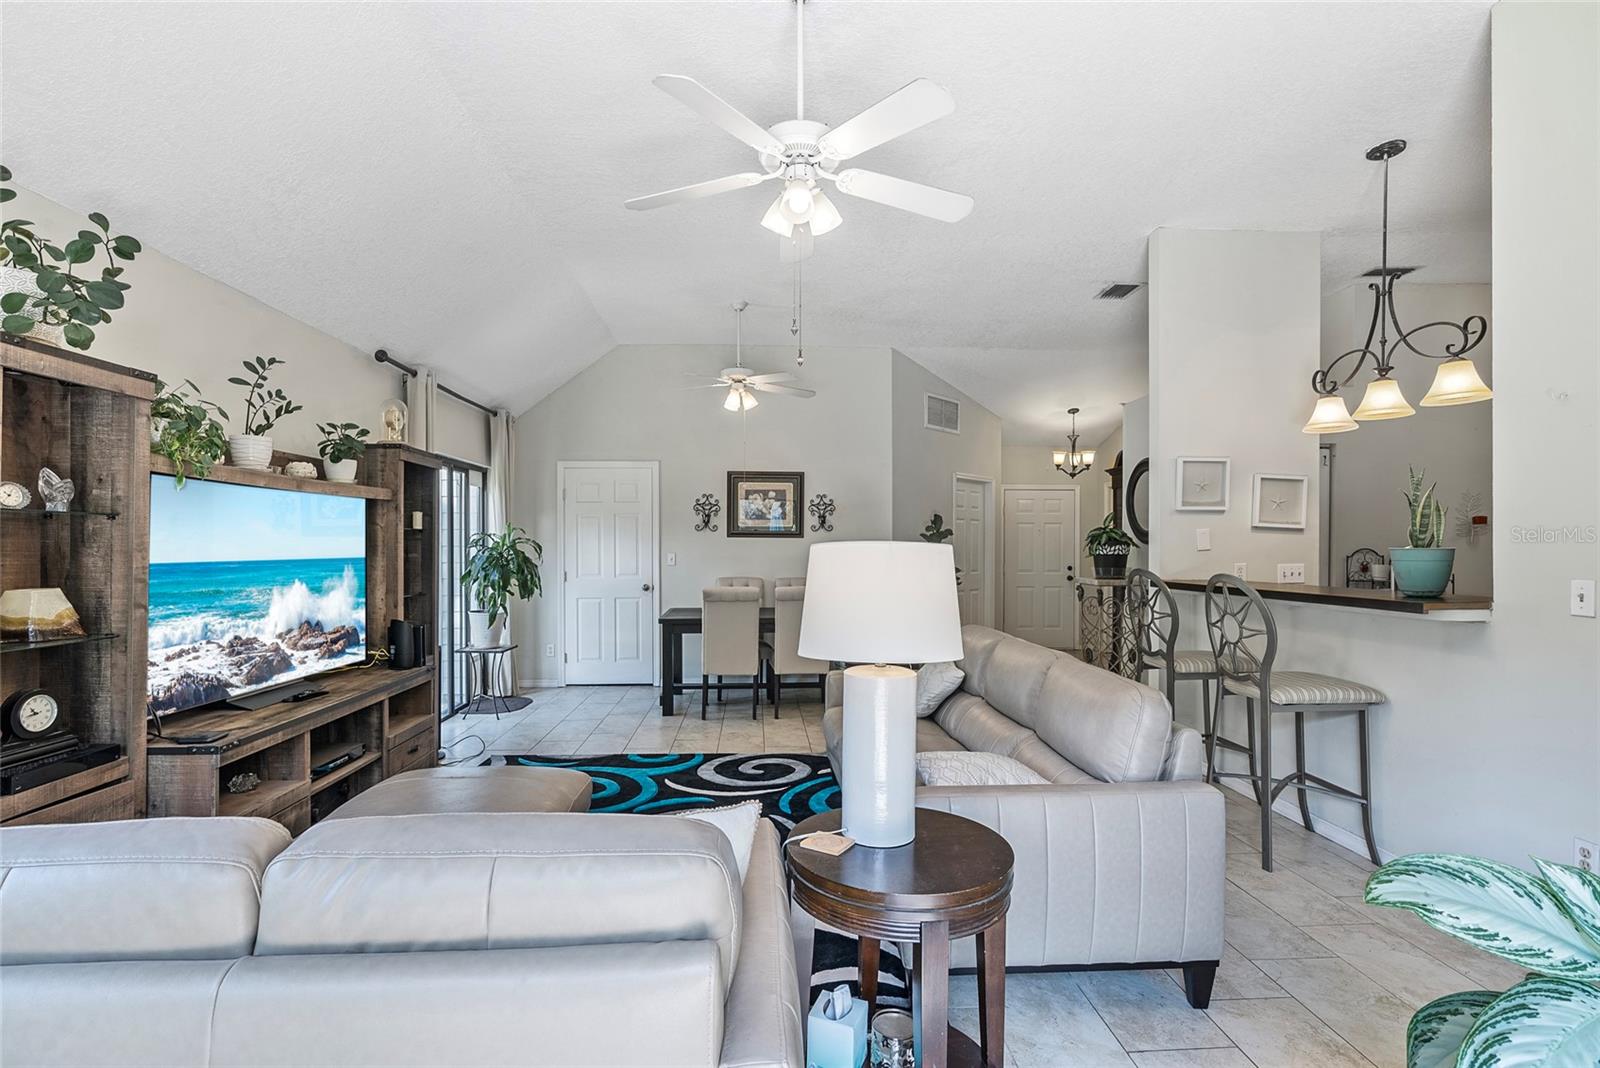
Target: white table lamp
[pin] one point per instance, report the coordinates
(880, 605)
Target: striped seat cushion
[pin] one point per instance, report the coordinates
(1194, 662)
(1310, 688)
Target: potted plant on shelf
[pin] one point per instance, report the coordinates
(340, 448)
(1109, 546)
(1422, 569)
(183, 430)
(499, 567)
(263, 407)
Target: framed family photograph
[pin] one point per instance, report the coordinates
(766, 504)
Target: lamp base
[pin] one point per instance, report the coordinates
(879, 755)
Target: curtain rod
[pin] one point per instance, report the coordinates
(382, 356)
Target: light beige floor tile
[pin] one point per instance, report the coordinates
(1486, 971)
(601, 743)
(1145, 1011)
(1363, 1013)
(1391, 961)
(1261, 934)
(1193, 1058)
(1340, 876)
(1288, 894)
(1282, 1033)
(1237, 977)
(1051, 1024)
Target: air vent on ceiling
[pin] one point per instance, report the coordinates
(1377, 272)
(941, 413)
(1118, 291)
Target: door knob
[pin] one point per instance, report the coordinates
(646, 587)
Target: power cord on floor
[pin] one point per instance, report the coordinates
(483, 747)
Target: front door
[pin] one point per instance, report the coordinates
(1041, 551)
(608, 561)
(970, 521)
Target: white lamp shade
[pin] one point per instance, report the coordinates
(1382, 400)
(824, 216)
(1059, 457)
(1330, 416)
(1456, 382)
(776, 221)
(1084, 458)
(881, 602)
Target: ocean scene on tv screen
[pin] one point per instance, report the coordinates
(250, 588)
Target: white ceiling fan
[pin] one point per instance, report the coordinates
(802, 153)
(741, 382)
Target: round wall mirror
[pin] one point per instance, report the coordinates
(1138, 502)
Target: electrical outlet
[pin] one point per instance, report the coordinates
(1291, 572)
(1241, 571)
(1583, 598)
(550, 649)
(1585, 854)
(1202, 539)
(672, 559)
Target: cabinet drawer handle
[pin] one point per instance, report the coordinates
(414, 749)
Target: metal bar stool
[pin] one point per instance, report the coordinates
(1244, 641)
(1153, 616)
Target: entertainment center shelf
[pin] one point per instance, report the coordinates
(268, 480)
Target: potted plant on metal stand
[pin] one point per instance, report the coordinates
(499, 567)
(341, 446)
(1422, 569)
(1109, 546)
(263, 408)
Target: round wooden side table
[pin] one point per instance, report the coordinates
(952, 880)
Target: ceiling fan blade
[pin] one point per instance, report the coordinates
(775, 376)
(938, 204)
(696, 191)
(793, 391)
(900, 112)
(698, 98)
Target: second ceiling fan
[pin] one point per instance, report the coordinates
(804, 154)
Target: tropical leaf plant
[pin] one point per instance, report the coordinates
(1108, 537)
(341, 441)
(263, 407)
(1548, 923)
(499, 566)
(936, 531)
(186, 432)
(63, 298)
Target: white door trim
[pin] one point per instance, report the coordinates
(1077, 558)
(561, 539)
(991, 555)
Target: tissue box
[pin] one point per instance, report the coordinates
(836, 1043)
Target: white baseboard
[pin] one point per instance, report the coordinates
(1287, 807)
(537, 684)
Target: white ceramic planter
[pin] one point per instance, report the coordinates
(339, 470)
(253, 452)
(481, 633)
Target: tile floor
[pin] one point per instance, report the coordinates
(1311, 977)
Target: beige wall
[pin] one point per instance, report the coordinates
(460, 430)
(182, 324)
(1453, 445)
(926, 461)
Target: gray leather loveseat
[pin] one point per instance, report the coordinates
(1121, 853)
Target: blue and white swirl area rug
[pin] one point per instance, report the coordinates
(791, 788)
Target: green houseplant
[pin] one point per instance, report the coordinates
(57, 298)
(263, 407)
(1547, 923)
(341, 446)
(184, 430)
(499, 567)
(1109, 546)
(1422, 567)
(937, 533)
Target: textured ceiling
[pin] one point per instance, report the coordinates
(447, 180)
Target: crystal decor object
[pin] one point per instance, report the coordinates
(56, 491)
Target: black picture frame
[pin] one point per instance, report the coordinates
(781, 494)
(1137, 519)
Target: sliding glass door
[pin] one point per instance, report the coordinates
(461, 504)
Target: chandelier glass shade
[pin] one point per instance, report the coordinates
(1072, 461)
(1457, 380)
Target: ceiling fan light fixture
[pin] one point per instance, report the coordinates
(732, 402)
(747, 400)
(1383, 400)
(825, 218)
(796, 201)
(1456, 382)
(776, 221)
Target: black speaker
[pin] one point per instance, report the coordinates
(419, 644)
(402, 644)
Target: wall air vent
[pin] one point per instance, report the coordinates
(1118, 291)
(941, 413)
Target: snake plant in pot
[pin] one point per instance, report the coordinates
(499, 567)
(1109, 546)
(1422, 568)
(1547, 923)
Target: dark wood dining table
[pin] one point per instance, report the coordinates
(675, 623)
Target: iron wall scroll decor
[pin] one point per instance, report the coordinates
(706, 508)
(822, 509)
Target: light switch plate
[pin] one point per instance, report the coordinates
(1288, 573)
(1202, 539)
(1241, 571)
(1583, 598)
(672, 559)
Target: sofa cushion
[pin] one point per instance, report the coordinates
(974, 769)
(1039, 757)
(977, 643)
(935, 682)
(1113, 728)
(737, 822)
(468, 789)
(970, 720)
(1013, 676)
(184, 888)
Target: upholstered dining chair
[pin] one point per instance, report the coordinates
(753, 582)
(1244, 642)
(730, 639)
(788, 605)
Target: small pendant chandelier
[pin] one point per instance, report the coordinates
(1457, 380)
(1070, 461)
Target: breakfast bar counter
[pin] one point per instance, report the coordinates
(1450, 607)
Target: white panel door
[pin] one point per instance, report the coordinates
(608, 559)
(1041, 552)
(968, 520)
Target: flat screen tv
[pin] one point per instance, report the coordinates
(250, 588)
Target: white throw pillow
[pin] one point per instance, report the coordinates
(951, 768)
(737, 824)
(935, 682)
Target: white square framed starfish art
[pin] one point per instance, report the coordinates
(1202, 484)
(1278, 502)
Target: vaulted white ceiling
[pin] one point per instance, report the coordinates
(446, 180)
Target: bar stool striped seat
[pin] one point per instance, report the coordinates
(1244, 645)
